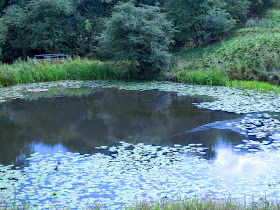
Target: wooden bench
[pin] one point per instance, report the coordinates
(51, 56)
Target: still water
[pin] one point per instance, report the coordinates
(105, 117)
(115, 147)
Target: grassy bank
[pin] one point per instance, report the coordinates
(219, 78)
(44, 71)
(83, 69)
(250, 53)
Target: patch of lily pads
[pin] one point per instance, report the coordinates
(122, 174)
(258, 125)
(136, 172)
(255, 146)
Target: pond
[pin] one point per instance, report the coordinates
(76, 144)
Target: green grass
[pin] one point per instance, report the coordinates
(207, 204)
(203, 77)
(188, 204)
(69, 69)
(254, 85)
(219, 78)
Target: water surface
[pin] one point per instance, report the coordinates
(79, 146)
(105, 117)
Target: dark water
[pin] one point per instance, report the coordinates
(107, 116)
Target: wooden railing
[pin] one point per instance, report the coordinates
(51, 56)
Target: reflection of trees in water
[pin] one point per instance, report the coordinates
(103, 118)
(15, 146)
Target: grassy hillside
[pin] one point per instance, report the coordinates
(250, 53)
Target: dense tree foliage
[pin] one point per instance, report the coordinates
(29, 27)
(2, 36)
(238, 9)
(41, 26)
(256, 6)
(3, 4)
(216, 22)
(192, 16)
(186, 15)
(138, 34)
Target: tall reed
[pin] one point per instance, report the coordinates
(39, 71)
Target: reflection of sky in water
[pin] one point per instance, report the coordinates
(146, 172)
(44, 149)
(229, 164)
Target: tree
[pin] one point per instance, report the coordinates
(3, 31)
(257, 6)
(199, 20)
(217, 22)
(159, 3)
(186, 16)
(3, 4)
(140, 34)
(12, 23)
(86, 40)
(42, 26)
(52, 25)
(238, 9)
